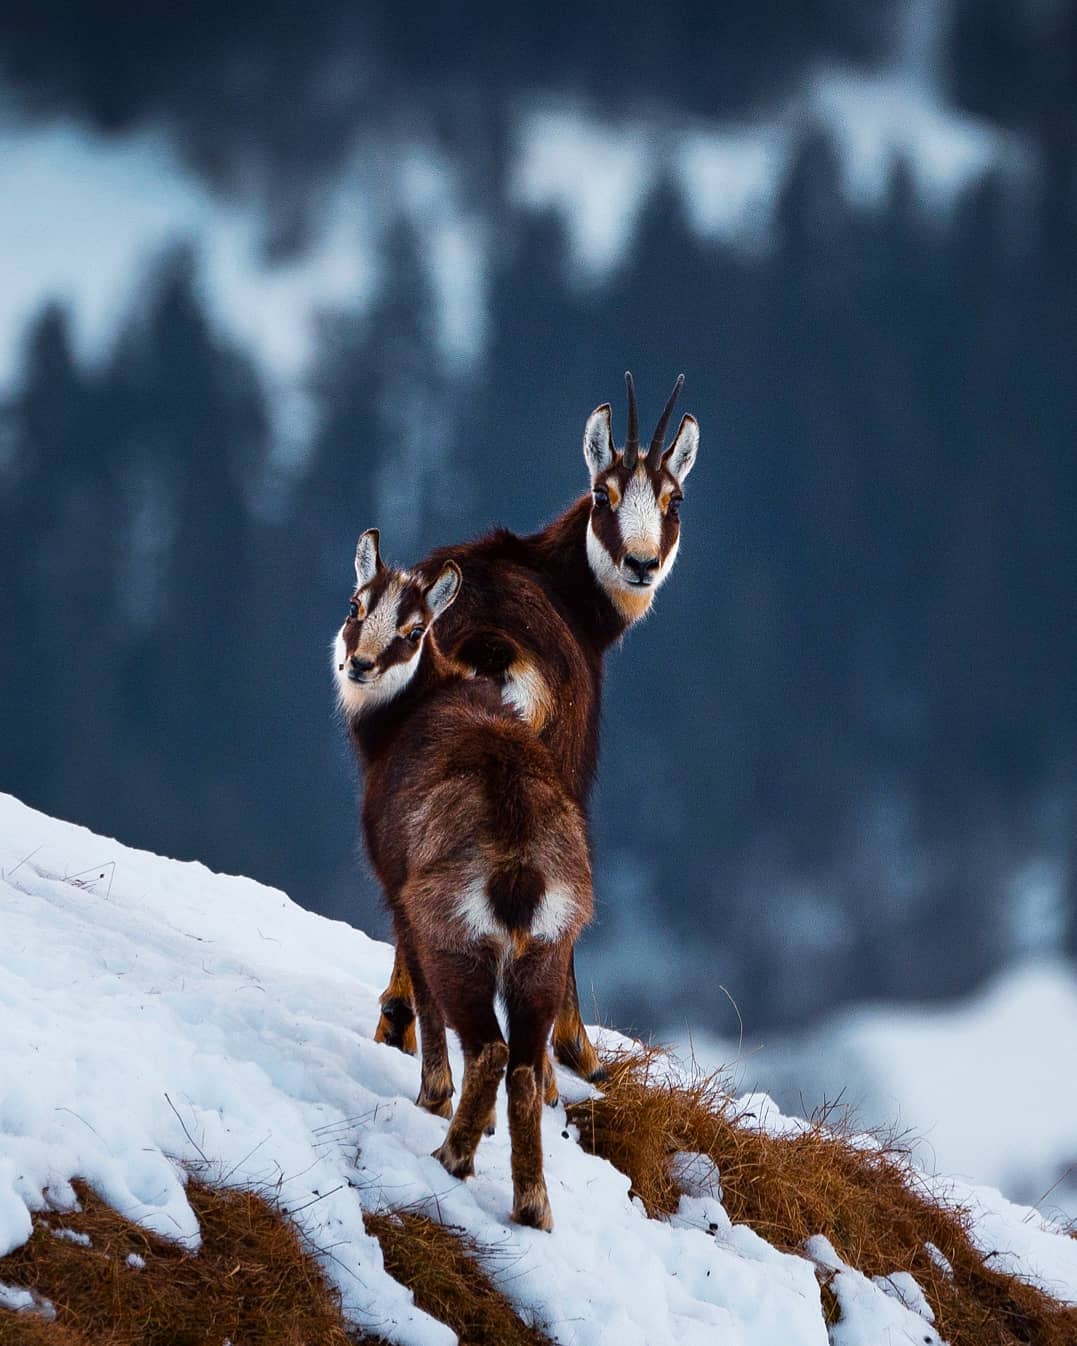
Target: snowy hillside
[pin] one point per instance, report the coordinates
(156, 1014)
(984, 1087)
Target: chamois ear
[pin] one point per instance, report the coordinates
(442, 593)
(367, 560)
(598, 440)
(681, 455)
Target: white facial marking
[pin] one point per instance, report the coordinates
(639, 518)
(378, 632)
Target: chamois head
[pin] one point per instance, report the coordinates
(634, 530)
(376, 651)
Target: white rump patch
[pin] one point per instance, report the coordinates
(552, 915)
(525, 690)
(473, 908)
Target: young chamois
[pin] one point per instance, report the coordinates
(538, 613)
(481, 851)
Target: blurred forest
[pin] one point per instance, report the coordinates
(840, 759)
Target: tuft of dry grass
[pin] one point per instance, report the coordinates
(251, 1281)
(869, 1202)
(440, 1265)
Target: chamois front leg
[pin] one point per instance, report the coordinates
(396, 1024)
(571, 1045)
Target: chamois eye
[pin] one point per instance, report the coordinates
(675, 505)
(353, 610)
(600, 496)
(416, 634)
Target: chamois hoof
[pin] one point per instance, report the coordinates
(396, 1026)
(550, 1092)
(534, 1212)
(439, 1107)
(457, 1165)
(491, 1124)
(578, 1055)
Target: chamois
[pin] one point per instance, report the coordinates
(481, 851)
(538, 613)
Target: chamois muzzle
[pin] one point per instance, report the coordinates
(643, 568)
(359, 668)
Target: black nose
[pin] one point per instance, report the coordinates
(643, 567)
(360, 666)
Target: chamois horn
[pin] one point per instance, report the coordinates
(654, 453)
(631, 454)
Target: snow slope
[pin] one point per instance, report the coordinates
(986, 1086)
(156, 1014)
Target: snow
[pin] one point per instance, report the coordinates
(870, 1311)
(25, 1301)
(162, 1019)
(1018, 1238)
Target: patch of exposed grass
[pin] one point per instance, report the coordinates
(440, 1266)
(251, 1281)
(869, 1202)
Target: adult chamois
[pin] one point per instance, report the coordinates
(538, 613)
(481, 851)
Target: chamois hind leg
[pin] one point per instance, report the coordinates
(490, 1125)
(396, 1023)
(571, 1045)
(436, 1088)
(468, 998)
(533, 990)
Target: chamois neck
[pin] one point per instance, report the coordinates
(562, 546)
(374, 731)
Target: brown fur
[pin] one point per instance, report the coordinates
(531, 1205)
(467, 818)
(532, 605)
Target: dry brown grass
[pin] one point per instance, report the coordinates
(440, 1266)
(869, 1203)
(251, 1281)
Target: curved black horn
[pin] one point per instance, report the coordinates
(654, 453)
(632, 437)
